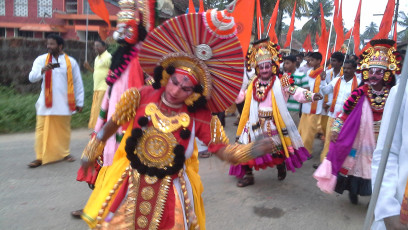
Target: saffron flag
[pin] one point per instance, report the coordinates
(348, 34)
(291, 28)
(191, 8)
(272, 23)
(201, 9)
(259, 19)
(338, 25)
(244, 16)
(323, 39)
(99, 8)
(307, 45)
(386, 22)
(356, 31)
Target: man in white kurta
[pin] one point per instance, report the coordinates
(392, 190)
(348, 82)
(53, 125)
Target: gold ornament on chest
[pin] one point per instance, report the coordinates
(166, 124)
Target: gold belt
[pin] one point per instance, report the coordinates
(265, 113)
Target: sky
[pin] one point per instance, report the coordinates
(368, 8)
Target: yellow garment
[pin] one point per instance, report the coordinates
(308, 129)
(323, 123)
(326, 140)
(107, 178)
(109, 175)
(101, 69)
(276, 115)
(192, 166)
(52, 137)
(96, 107)
(280, 125)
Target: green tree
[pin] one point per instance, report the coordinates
(370, 31)
(403, 21)
(312, 26)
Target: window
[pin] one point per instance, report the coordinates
(21, 8)
(26, 34)
(71, 6)
(2, 7)
(86, 7)
(2, 32)
(44, 9)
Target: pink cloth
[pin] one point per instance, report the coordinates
(131, 77)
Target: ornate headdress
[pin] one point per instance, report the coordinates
(264, 50)
(204, 45)
(382, 54)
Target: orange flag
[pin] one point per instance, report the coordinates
(99, 8)
(307, 45)
(244, 16)
(348, 34)
(356, 31)
(201, 9)
(324, 35)
(338, 25)
(259, 19)
(272, 23)
(291, 28)
(386, 22)
(191, 8)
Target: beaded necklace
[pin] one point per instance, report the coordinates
(378, 98)
(261, 89)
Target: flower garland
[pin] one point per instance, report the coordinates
(261, 90)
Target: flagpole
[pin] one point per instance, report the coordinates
(290, 46)
(86, 33)
(328, 44)
(351, 35)
(387, 145)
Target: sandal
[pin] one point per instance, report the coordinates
(248, 179)
(77, 214)
(281, 171)
(35, 164)
(69, 158)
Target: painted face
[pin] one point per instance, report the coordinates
(289, 66)
(265, 70)
(178, 89)
(375, 76)
(118, 35)
(53, 47)
(348, 70)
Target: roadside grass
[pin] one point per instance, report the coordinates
(18, 110)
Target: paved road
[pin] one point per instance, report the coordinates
(42, 198)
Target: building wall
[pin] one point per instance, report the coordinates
(58, 6)
(16, 62)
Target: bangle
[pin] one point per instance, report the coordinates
(336, 125)
(93, 150)
(237, 153)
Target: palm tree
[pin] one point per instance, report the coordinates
(312, 26)
(370, 31)
(285, 8)
(403, 21)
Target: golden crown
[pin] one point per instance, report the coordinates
(128, 11)
(262, 51)
(381, 55)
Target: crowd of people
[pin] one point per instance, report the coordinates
(156, 99)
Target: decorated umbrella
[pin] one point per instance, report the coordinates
(207, 39)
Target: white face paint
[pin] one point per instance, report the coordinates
(119, 34)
